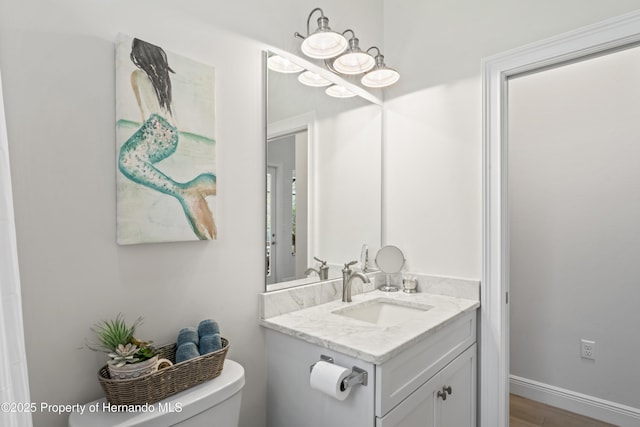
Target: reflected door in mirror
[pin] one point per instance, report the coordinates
(286, 208)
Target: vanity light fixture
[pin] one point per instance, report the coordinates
(344, 57)
(353, 60)
(282, 65)
(310, 78)
(323, 43)
(381, 75)
(338, 91)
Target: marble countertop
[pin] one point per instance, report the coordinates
(367, 341)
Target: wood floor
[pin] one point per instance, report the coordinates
(528, 413)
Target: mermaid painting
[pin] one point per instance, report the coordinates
(157, 139)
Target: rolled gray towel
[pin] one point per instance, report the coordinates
(208, 327)
(188, 334)
(186, 351)
(210, 343)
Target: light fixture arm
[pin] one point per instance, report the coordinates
(374, 47)
(353, 41)
(322, 21)
(353, 35)
(379, 58)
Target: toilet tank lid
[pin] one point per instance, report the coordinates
(171, 410)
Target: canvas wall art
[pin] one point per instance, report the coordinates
(165, 148)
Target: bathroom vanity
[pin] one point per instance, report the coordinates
(418, 351)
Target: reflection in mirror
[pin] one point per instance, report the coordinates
(287, 207)
(323, 178)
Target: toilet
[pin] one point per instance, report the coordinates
(212, 403)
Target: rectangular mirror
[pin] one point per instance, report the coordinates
(324, 176)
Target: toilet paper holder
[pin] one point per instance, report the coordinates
(357, 375)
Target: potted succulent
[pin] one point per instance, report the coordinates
(128, 356)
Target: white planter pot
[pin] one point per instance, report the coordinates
(135, 370)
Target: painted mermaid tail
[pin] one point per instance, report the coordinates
(154, 141)
(196, 209)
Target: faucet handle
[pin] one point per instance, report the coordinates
(349, 264)
(324, 263)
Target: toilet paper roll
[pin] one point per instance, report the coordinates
(327, 377)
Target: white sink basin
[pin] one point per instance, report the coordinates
(383, 311)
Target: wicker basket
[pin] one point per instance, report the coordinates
(165, 382)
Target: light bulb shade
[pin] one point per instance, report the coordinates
(324, 44)
(354, 63)
(282, 65)
(339, 92)
(354, 60)
(310, 78)
(380, 77)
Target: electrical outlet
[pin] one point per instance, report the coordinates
(588, 349)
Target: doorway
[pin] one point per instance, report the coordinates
(494, 313)
(573, 203)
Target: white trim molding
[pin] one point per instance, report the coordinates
(615, 33)
(589, 406)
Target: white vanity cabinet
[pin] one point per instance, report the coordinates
(431, 382)
(448, 399)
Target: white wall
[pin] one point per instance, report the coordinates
(574, 199)
(57, 60)
(433, 128)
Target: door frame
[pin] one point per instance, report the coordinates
(615, 33)
(275, 193)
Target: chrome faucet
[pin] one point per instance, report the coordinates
(322, 271)
(347, 276)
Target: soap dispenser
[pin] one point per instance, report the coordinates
(364, 258)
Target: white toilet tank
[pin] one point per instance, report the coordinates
(213, 403)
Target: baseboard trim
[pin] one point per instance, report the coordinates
(589, 406)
